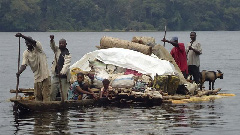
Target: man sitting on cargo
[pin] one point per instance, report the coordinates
(79, 89)
(179, 54)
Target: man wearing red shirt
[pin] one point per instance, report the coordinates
(179, 54)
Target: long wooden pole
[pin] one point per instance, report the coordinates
(188, 48)
(18, 66)
(165, 34)
(59, 78)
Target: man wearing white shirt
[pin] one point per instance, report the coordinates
(194, 51)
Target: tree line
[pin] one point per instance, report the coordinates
(119, 15)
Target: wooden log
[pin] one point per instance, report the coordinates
(136, 94)
(123, 94)
(177, 97)
(52, 105)
(167, 101)
(226, 94)
(110, 42)
(150, 41)
(154, 97)
(208, 92)
(22, 90)
(145, 95)
(216, 90)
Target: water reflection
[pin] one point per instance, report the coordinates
(165, 119)
(194, 116)
(42, 123)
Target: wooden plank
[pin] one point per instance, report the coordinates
(22, 90)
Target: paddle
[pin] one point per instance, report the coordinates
(18, 66)
(165, 34)
(59, 79)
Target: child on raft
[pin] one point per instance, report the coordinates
(104, 92)
(79, 89)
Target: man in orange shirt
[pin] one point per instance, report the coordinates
(179, 54)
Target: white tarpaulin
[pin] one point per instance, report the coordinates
(127, 59)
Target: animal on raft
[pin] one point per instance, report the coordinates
(210, 76)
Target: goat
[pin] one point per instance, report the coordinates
(210, 76)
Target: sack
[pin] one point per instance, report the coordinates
(99, 77)
(74, 72)
(134, 72)
(120, 70)
(122, 81)
(97, 65)
(110, 68)
(160, 82)
(166, 83)
(140, 86)
(173, 82)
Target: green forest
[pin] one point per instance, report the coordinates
(119, 15)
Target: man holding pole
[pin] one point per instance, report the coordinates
(35, 57)
(60, 69)
(179, 54)
(194, 51)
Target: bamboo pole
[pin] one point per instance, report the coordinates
(165, 33)
(59, 78)
(18, 66)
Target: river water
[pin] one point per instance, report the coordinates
(220, 52)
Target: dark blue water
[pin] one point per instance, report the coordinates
(220, 52)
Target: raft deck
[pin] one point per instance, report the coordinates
(120, 99)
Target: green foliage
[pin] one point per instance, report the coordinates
(128, 15)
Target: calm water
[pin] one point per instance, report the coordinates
(220, 51)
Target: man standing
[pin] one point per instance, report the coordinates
(179, 55)
(35, 57)
(60, 68)
(194, 50)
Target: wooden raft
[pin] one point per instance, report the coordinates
(119, 96)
